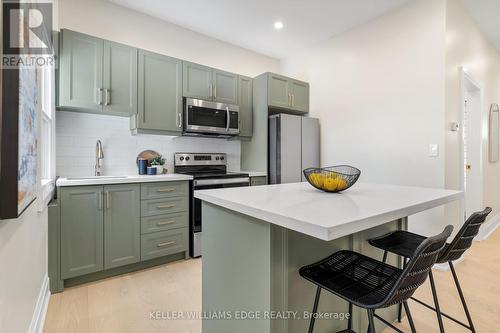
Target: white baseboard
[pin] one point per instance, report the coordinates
(41, 306)
(488, 228)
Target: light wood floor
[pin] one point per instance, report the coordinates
(124, 303)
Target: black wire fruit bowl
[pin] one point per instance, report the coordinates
(332, 179)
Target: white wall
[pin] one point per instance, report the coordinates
(106, 20)
(77, 135)
(379, 93)
(466, 46)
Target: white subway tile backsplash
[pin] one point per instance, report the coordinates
(77, 133)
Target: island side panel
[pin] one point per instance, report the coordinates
(236, 265)
(292, 250)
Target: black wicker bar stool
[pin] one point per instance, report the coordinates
(404, 243)
(372, 284)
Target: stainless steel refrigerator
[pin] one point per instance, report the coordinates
(293, 146)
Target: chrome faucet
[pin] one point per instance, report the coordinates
(99, 155)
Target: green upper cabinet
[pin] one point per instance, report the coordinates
(96, 75)
(81, 69)
(122, 225)
(120, 79)
(225, 87)
(209, 84)
(287, 93)
(278, 91)
(81, 230)
(160, 94)
(246, 105)
(197, 81)
(299, 96)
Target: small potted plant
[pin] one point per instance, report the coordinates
(158, 162)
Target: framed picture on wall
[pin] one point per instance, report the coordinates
(18, 141)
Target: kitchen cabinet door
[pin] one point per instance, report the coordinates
(122, 225)
(197, 81)
(225, 87)
(246, 106)
(278, 91)
(160, 93)
(120, 79)
(300, 95)
(81, 230)
(80, 72)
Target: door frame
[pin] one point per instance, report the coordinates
(466, 82)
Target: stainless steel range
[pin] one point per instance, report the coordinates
(209, 171)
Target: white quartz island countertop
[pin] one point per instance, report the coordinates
(104, 180)
(328, 216)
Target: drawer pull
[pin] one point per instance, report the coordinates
(165, 190)
(165, 244)
(165, 223)
(165, 206)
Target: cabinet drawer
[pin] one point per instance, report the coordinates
(164, 222)
(163, 243)
(163, 206)
(164, 190)
(256, 181)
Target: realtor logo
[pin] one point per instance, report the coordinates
(27, 28)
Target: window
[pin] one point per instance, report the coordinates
(47, 132)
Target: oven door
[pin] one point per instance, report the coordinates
(207, 184)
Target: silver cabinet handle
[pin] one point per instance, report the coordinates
(215, 90)
(107, 199)
(165, 244)
(179, 116)
(100, 200)
(108, 97)
(99, 96)
(165, 223)
(210, 92)
(163, 190)
(289, 99)
(293, 100)
(228, 120)
(165, 206)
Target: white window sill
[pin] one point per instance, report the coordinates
(47, 193)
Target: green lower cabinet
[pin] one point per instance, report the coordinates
(82, 232)
(122, 225)
(163, 243)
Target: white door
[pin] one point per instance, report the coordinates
(472, 151)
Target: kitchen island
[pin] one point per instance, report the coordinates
(257, 238)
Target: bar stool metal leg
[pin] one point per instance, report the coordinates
(371, 322)
(436, 302)
(400, 306)
(349, 322)
(315, 310)
(462, 298)
(410, 318)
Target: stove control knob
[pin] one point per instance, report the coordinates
(222, 158)
(217, 158)
(182, 158)
(187, 158)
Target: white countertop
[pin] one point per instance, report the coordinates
(328, 216)
(103, 180)
(254, 173)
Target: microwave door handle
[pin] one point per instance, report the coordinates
(228, 116)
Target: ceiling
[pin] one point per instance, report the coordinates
(486, 14)
(249, 23)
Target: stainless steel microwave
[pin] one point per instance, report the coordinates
(212, 118)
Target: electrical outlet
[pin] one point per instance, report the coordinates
(433, 150)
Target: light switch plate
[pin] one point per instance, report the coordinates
(433, 150)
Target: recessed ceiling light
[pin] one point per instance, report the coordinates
(278, 25)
